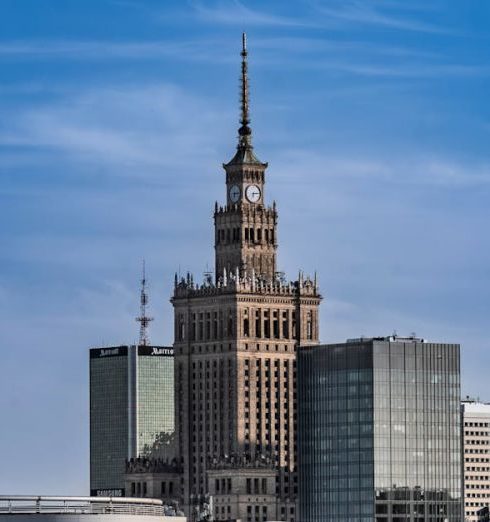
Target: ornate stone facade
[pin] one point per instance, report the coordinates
(236, 338)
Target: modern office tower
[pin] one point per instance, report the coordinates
(379, 431)
(236, 338)
(476, 457)
(131, 411)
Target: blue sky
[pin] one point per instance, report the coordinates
(115, 117)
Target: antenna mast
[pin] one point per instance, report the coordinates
(244, 132)
(143, 319)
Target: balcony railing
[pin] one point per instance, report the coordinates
(80, 505)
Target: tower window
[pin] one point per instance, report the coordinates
(181, 336)
(208, 325)
(246, 327)
(246, 234)
(275, 324)
(215, 325)
(267, 332)
(230, 324)
(309, 326)
(193, 328)
(252, 235)
(285, 324)
(258, 329)
(201, 326)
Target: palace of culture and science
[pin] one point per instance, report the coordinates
(235, 352)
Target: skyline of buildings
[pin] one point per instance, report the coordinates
(386, 443)
(233, 388)
(114, 125)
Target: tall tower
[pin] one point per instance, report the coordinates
(245, 228)
(236, 339)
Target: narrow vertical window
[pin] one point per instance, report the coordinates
(285, 324)
(181, 329)
(215, 325)
(275, 324)
(267, 326)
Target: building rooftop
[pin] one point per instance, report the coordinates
(394, 338)
(471, 405)
(31, 504)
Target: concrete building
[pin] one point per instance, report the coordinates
(131, 412)
(19, 508)
(154, 478)
(476, 458)
(236, 341)
(379, 431)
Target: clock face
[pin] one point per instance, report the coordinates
(234, 193)
(253, 193)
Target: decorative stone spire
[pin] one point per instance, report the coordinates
(244, 132)
(244, 154)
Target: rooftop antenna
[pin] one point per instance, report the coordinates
(143, 319)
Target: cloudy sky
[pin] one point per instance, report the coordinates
(115, 118)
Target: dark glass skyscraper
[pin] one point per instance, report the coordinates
(379, 431)
(131, 411)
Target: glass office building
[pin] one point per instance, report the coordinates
(379, 431)
(131, 411)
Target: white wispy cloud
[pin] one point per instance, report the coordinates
(333, 15)
(367, 12)
(235, 12)
(96, 50)
(419, 169)
(155, 127)
(148, 126)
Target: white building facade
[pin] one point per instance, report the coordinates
(476, 457)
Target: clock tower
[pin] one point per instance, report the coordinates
(245, 229)
(236, 339)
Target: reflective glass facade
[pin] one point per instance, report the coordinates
(131, 411)
(109, 430)
(155, 401)
(379, 431)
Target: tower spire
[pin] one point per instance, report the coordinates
(143, 319)
(244, 132)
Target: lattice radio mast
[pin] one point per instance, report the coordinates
(143, 319)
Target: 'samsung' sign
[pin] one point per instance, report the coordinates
(107, 492)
